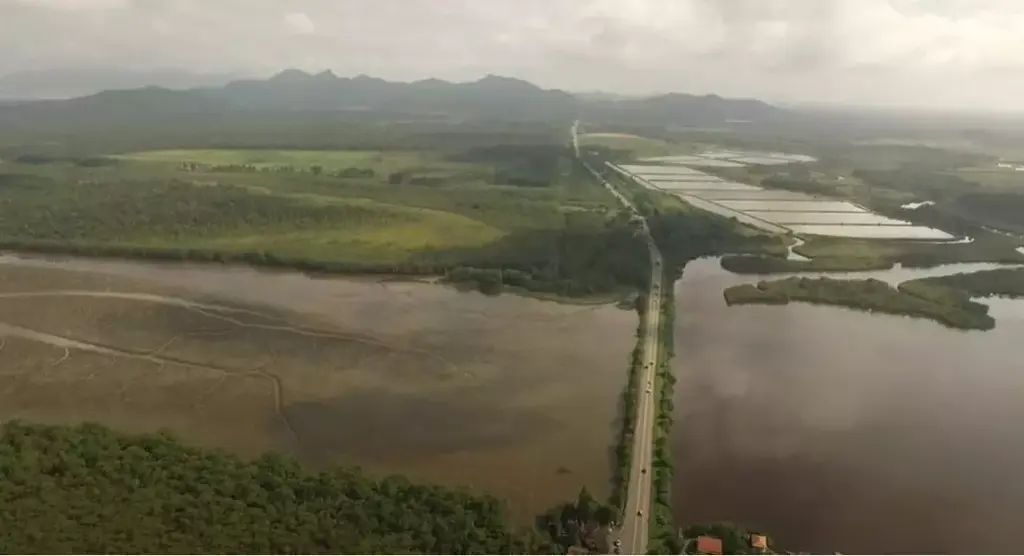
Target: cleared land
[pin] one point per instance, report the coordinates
(397, 377)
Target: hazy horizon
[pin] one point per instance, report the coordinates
(932, 54)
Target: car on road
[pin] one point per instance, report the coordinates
(643, 470)
(640, 513)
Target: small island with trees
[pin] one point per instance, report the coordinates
(944, 299)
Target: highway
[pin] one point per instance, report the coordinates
(636, 521)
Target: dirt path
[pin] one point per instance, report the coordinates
(206, 309)
(70, 343)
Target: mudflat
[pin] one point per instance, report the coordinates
(509, 395)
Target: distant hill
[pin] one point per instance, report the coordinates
(298, 100)
(76, 82)
(678, 108)
(492, 95)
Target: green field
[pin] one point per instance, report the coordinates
(303, 160)
(522, 208)
(635, 145)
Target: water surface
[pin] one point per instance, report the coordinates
(836, 430)
(511, 395)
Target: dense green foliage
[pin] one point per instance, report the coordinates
(961, 206)
(682, 237)
(577, 523)
(860, 254)
(756, 264)
(89, 490)
(664, 538)
(623, 444)
(523, 165)
(1006, 282)
(495, 236)
(944, 305)
(586, 259)
(135, 212)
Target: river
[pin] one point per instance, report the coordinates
(836, 430)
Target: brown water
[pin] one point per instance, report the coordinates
(510, 395)
(834, 430)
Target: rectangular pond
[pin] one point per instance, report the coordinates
(654, 178)
(729, 213)
(720, 154)
(787, 217)
(871, 232)
(717, 163)
(797, 206)
(705, 185)
(760, 160)
(645, 169)
(755, 195)
(678, 159)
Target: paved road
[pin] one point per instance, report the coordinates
(635, 527)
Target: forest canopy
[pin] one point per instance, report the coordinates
(87, 489)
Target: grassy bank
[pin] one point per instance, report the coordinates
(986, 248)
(756, 264)
(622, 451)
(1003, 282)
(944, 305)
(664, 538)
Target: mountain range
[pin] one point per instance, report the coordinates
(76, 82)
(292, 90)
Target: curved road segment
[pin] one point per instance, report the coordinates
(634, 534)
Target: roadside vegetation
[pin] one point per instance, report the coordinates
(87, 489)
(664, 538)
(623, 444)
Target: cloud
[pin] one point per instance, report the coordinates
(76, 5)
(901, 51)
(300, 23)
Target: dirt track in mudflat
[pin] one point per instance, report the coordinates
(496, 393)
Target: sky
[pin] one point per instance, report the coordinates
(928, 53)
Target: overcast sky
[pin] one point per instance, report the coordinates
(959, 53)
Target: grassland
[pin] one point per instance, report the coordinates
(275, 158)
(633, 145)
(335, 211)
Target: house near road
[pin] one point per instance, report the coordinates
(709, 545)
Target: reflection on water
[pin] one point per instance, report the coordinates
(835, 430)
